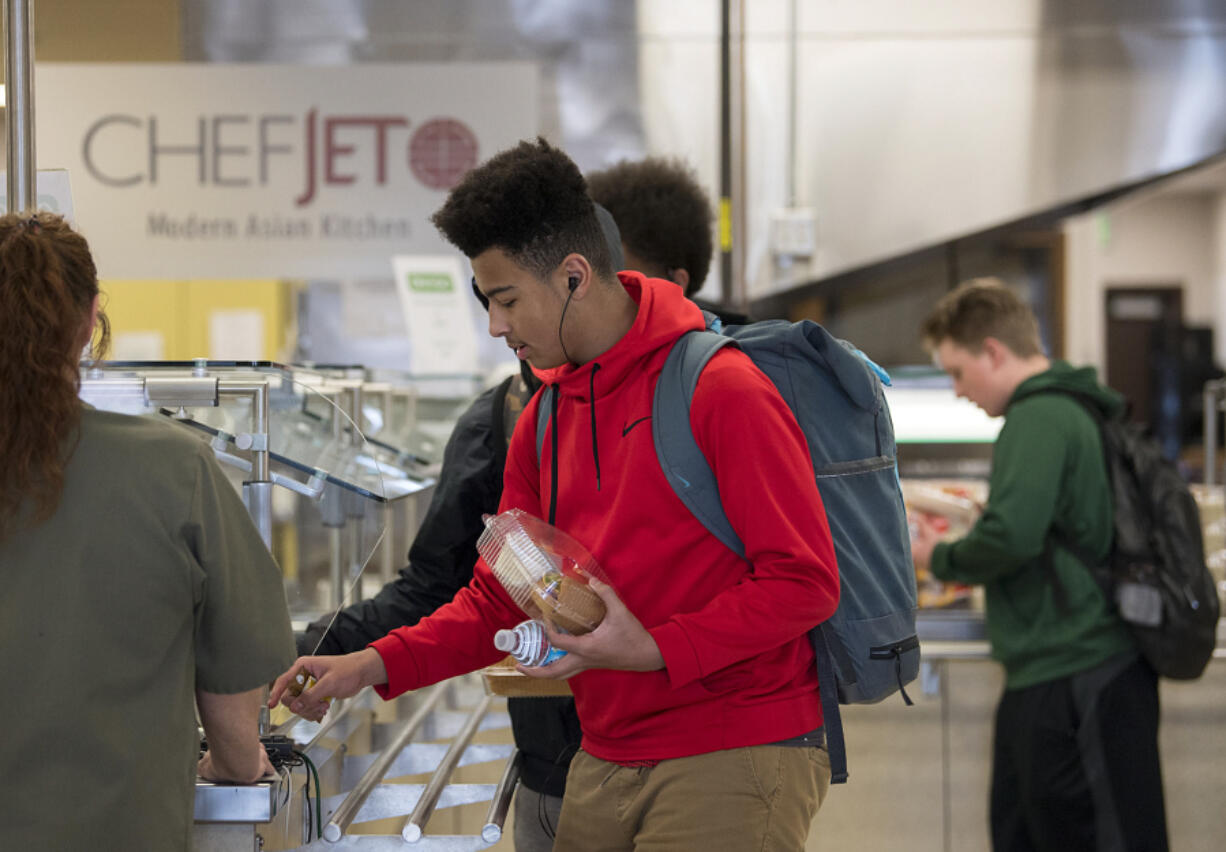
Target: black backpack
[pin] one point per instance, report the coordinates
(1155, 573)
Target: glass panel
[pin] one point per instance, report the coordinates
(339, 500)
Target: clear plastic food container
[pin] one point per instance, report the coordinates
(544, 570)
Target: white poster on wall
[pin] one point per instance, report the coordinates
(437, 306)
(52, 188)
(253, 171)
(236, 335)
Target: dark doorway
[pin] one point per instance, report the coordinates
(1144, 336)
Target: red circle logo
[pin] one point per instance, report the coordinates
(441, 151)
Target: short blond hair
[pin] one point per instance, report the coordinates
(979, 309)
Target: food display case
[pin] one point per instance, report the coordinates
(312, 452)
(334, 401)
(405, 421)
(944, 457)
(421, 411)
(943, 743)
(325, 498)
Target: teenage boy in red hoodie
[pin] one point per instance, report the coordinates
(697, 693)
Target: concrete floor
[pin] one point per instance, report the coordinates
(919, 775)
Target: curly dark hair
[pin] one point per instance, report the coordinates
(47, 287)
(663, 213)
(531, 202)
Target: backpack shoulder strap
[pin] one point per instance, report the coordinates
(510, 399)
(547, 409)
(501, 433)
(680, 457)
(1081, 399)
(832, 717)
(1057, 537)
(542, 419)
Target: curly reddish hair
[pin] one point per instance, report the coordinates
(48, 283)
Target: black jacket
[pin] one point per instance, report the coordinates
(441, 563)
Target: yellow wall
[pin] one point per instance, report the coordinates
(178, 317)
(111, 31)
(171, 315)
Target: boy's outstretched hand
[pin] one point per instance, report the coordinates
(335, 677)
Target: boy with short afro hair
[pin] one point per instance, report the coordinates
(664, 216)
(698, 691)
(1075, 763)
(536, 215)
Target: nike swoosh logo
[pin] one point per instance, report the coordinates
(635, 423)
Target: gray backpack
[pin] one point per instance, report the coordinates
(868, 649)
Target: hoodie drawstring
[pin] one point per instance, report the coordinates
(592, 396)
(553, 442)
(553, 456)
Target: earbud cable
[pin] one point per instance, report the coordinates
(561, 320)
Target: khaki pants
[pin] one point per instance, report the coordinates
(757, 798)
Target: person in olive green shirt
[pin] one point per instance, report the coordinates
(1075, 762)
(135, 587)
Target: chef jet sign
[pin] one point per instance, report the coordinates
(213, 171)
(238, 150)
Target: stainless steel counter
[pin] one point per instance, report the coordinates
(241, 803)
(953, 625)
(370, 756)
(962, 634)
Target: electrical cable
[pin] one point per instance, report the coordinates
(306, 798)
(283, 756)
(319, 823)
(288, 792)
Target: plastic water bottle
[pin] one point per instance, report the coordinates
(527, 644)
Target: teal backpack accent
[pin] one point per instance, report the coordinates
(869, 648)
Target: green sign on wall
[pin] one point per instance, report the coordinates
(430, 282)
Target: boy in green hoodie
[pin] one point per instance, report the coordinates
(1075, 762)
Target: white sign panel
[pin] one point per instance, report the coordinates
(53, 191)
(437, 307)
(251, 171)
(237, 335)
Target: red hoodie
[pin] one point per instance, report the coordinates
(739, 669)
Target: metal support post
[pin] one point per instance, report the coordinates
(258, 489)
(19, 96)
(1212, 406)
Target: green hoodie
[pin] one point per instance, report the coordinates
(1047, 471)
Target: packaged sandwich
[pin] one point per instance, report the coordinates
(544, 570)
